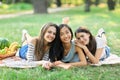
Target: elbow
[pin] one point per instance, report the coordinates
(84, 63)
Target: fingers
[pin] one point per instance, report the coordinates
(58, 62)
(47, 65)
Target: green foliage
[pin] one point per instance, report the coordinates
(74, 2)
(20, 6)
(13, 8)
(99, 17)
(4, 6)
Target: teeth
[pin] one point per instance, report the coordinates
(66, 39)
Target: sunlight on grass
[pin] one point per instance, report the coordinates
(102, 5)
(112, 24)
(104, 15)
(11, 28)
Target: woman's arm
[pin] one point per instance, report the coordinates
(82, 58)
(92, 58)
(82, 62)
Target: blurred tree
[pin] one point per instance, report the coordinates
(27, 1)
(111, 4)
(58, 2)
(40, 6)
(87, 5)
(11, 1)
(97, 2)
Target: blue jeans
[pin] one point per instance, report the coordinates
(22, 52)
(107, 51)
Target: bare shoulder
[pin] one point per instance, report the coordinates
(34, 40)
(78, 49)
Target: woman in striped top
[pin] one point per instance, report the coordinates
(43, 47)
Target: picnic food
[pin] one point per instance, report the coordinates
(4, 43)
(12, 48)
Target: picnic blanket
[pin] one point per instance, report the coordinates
(10, 62)
(112, 59)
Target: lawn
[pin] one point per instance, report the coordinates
(98, 17)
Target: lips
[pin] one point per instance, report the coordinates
(50, 38)
(66, 39)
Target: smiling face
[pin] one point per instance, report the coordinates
(50, 34)
(65, 35)
(83, 37)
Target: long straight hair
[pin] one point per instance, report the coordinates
(60, 27)
(92, 42)
(39, 47)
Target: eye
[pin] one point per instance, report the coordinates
(61, 34)
(82, 36)
(49, 31)
(54, 33)
(78, 38)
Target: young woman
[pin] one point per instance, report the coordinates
(43, 47)
(95, 49)
(72, 55)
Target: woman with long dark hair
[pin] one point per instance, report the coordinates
(94, 48)
(72, 55)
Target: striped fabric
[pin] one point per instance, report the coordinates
(46, 56)
(30, 53)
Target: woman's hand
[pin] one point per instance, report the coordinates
(65, 66)
(47, 65)
(79, 44)
(58, 62)
(62, 64)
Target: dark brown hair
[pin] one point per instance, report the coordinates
(39, 47)
(92, 42)
(65, 25)
(61, 45)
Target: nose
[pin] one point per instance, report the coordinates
(52, 35)
(65, 35)
(81, 39)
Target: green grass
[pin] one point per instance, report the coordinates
(98, 17)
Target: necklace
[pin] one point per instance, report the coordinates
(66, 50)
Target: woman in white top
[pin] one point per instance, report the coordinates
(95, 49)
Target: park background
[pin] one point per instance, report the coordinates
(93, 14)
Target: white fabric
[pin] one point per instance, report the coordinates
(112, 59)
(10, 62)
(101, 44)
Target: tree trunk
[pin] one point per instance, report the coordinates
(111, 4)
(87, 5)
(97, 2)
(40, 6)
(58, 2)
(27, 1)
